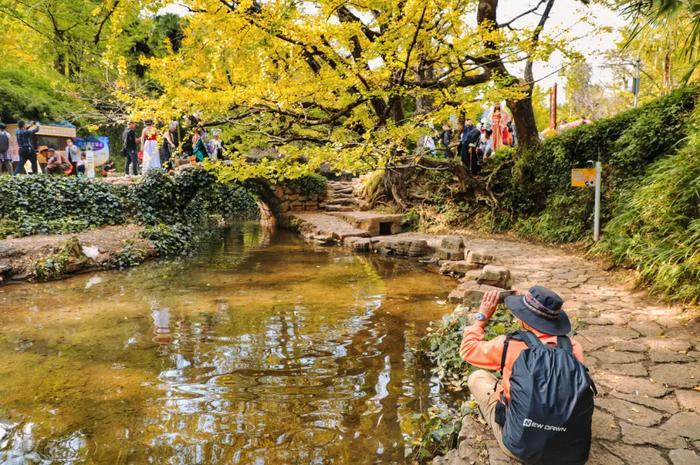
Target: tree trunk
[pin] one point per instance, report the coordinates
(524, 120)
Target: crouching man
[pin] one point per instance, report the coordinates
(541, 409)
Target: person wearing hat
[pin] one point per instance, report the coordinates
(42, 158)
(539, 311)
(57, 162)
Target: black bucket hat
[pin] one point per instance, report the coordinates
(541, 308)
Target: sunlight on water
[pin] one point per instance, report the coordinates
(260, 350)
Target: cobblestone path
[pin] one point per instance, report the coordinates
(644, 357)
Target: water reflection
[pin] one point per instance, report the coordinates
(260, 351)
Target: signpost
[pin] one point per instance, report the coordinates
(590, 177)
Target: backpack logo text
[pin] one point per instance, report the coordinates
(528, 423)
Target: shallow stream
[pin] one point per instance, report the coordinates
(259, 350)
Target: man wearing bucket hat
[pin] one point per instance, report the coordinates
(538, 312)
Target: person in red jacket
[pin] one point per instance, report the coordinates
(539, 311)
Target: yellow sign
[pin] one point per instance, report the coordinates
(582, 177)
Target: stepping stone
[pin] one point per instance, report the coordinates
(479, 257)
(495, 275)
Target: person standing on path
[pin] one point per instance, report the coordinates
(199, 148)
(131, 149)
(446, 139)
(541, 318)
(5, 159)
(497, 125)
(149, 146)
(169, 144)
(73, 155)
(24, 135)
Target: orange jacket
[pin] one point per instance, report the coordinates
(487, 354)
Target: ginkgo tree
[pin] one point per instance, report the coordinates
(350, 83)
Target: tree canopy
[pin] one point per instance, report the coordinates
(353, 84)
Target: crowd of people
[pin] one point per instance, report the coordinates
(16, 153)
(154, 149)
(475, 142)
(150, 149)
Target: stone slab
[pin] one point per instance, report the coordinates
(322, 224)
(632, 413)
(371, 221)
(689, 400)
(684, 457)
(679, 375)
(639, 435)
(686, 424)
(637, 455)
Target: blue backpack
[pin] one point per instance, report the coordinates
(548, 418)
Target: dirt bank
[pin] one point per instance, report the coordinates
(29, 258)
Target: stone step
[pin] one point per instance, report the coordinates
(339, 208)
(378, 224)
(341, 202)
(342, 196)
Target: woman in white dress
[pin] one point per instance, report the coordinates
(149, 146)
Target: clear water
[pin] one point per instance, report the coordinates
(260, 350)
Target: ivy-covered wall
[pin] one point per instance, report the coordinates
(170, 206)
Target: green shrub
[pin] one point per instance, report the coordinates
(171, 240)
(187, 197)
(308, 185)
(131, 254)
(438, 431)
(56, 204)
(656, 225)
(441, 345)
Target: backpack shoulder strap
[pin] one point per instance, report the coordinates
(530, 339)
(509, 336)
(504, 354)
(564, 342)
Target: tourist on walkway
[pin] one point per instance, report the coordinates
(24, 135)
(468, 141)
(485, 145)
(131, 149)
(199, 148)
(446, 140)
(169, 144)
(216, 145)
(5, 159)
(543, 324)
(497, 125)
(149, 146)
(73, 155)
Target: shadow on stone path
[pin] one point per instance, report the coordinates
(643, 356)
